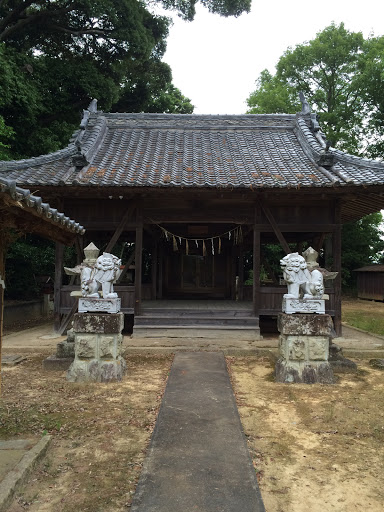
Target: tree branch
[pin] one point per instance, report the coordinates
(22, 22)
(92, 31)
(14, 13)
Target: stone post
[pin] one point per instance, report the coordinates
(98, 342)
(304, 348)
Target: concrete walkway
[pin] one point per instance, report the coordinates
(17, 460)
(198, 458)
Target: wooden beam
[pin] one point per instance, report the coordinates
(241, 274)
(154, 269)
(67, 319)
(298, 228)
(276, 229)
(320, 242)
(126, 267)
(233, 272)
(160, 270)
(116, 235)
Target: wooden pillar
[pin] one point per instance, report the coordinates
(161, 271)
(233, 262)
(79, 246)
(138, 262)
(241, 273)
(336, 249)
(154, 270)
(256, 262)
(59, 261)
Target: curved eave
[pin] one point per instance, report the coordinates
(19, 199)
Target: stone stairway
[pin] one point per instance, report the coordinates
(208, 322)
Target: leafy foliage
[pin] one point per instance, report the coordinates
(6, 134)
(57, 55)
(186, 8)
(340, 74)
(28, 258)
(362, 244)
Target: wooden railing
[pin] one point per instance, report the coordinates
(271, 298)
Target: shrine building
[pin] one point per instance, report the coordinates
(200, 208)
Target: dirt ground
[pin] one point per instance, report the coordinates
(315, 448)
(100, 433)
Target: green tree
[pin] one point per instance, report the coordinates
(362, 245)
(273, 95)
(6, 134)
(334, 72)
(341, 75)
(57, 55)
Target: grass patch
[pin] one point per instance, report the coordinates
(367, 321)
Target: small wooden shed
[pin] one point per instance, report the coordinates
(22, 212)
(370, 282)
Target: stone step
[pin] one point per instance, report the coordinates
(196, 321)
(234, 333)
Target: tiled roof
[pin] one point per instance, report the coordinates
(169, 150)
(25, 199)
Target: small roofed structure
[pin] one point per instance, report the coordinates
(23, 212)
(370, 282)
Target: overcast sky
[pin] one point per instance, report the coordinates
(215, 61)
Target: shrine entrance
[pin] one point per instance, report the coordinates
(196, 276)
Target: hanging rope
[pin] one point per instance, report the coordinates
(236, 234)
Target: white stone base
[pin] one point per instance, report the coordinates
(93, 305)
(291, 306)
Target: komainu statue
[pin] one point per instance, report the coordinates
(104, 273)
(301, 282)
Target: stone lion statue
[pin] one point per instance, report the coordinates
(103, 274)
(300, 281)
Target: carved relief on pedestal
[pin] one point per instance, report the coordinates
(297, 350)
(318, 348)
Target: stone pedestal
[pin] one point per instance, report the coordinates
(292, 305)
(65, 354)
(94, 305)
(98, 342)
(304, 348)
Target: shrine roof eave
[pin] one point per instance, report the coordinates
(27, 212)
